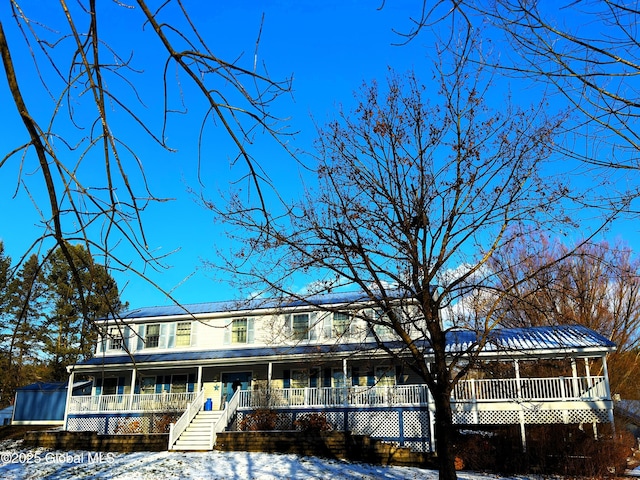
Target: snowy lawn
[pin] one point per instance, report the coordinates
(19, 463)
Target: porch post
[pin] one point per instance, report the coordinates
(133, 388)
(432, 421)
(608, 392)
(199, 380)
(345, 401)
(523, 432)
(269, 375)
(68, 403)
(344, 375)
(574, 373)
(587, 371)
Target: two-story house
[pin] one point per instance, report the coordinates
(156, 369)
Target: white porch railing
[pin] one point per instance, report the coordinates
(138, 402)
(484, 390)
(334, 396)
(176, 429)
(559, 388)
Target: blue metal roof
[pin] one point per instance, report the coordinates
(539, 339)
(51, 386)
(252, 304)
(556, 337)
(237, 353)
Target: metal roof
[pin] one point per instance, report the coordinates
(251, 304)
(537, 340)
(52, 386)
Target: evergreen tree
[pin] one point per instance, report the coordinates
(23, 362)
(78, 293)
(46, 315)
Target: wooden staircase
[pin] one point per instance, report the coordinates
(197, 435)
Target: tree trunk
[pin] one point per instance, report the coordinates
(445, 433)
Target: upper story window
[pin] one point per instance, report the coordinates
(300, 326)
(115, 338)
(378, 323)
(183, 334)
(239, 330)
(152, 336)
(341, 323)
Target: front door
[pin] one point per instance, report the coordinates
(233, 381)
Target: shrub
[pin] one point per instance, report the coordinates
(551, 449)
(127, 426)
(162, 423)
(313, 422)
(261, 419)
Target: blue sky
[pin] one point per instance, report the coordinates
(329, 48)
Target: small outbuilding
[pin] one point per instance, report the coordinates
(44, 403)
(5, 415)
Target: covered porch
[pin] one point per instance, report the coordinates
(472, 391)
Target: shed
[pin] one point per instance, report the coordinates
(5, 415)
(44, 403)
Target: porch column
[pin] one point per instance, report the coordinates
(269, 375)
(574, 373)
(133, 388)
(345, 401)
(199, 380)
(523, 432)
(608, 392)
(68, 403)
(587, 374)
(344, 376)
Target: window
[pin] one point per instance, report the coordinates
(179, 384)
(148, 385)
(152, 336)
(341, 323)
(385, 376)
(109, 386)
(378, 323)
(183, 334)
(300, 326)
(115, 338)
(299, 378)
(239, 330)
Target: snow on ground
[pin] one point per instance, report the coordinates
(38, 463)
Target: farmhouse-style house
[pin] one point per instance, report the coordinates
(198, 370)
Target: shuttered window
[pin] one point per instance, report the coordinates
(183, 334)
(152, 336)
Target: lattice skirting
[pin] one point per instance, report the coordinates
(122, 423)
(531, 415)
(400, 426)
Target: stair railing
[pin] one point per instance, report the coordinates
(227, 414)
(176, 429)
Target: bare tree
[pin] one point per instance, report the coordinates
(586, 52)
(416, 190)
(91, 102)
(593, 284)
(86, 111)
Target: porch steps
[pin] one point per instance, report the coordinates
(198, 434)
